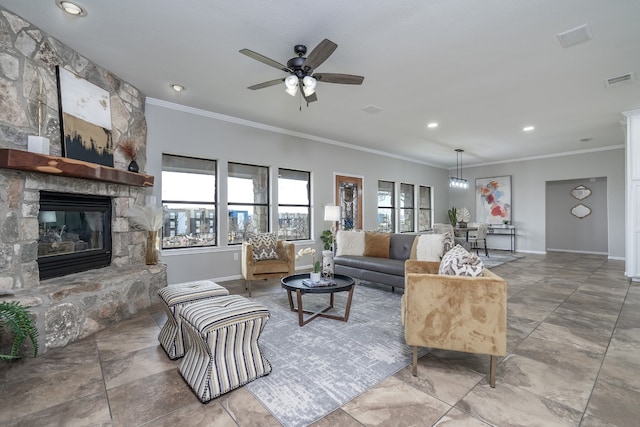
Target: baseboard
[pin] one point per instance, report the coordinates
(577, 252)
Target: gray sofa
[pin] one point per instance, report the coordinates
(388, 271)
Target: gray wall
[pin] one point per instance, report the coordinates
(528, 181)
(566, 232)
(180, 130)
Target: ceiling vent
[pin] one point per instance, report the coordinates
(575, 36)
(619, 80)
(372, 109)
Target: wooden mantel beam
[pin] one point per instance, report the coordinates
(62, 166)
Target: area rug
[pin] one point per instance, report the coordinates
(321, 366)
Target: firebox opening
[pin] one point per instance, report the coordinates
(74, 233)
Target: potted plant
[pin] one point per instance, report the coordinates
(328, 238)
(315, 275)
(16, 319)
(453, 217)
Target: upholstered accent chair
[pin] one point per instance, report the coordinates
(280, 265)
(456, 313)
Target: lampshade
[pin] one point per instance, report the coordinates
(309, 85)
(332, 213)
(47, 216)
(291, 83)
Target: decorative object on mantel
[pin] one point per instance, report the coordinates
(149, 218)
(61, 166)
(580, 192)
(130, 148)
(37, 106)
(85, 119)
(580, 211)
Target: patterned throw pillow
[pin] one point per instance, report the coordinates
(264, 246)
(448, 241)
(459, 262)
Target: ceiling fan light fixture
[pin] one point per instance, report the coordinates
(291, 83)
(309, 85)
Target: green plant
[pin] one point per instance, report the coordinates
(16, 319)
(453, 218)
(327, 238)
(316, 267)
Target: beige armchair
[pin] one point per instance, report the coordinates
(252, 270)
(454, 312)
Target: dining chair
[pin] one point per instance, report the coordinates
(477, 236)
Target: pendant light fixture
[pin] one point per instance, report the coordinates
(457, 181)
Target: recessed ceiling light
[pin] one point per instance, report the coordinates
(588, 139)
(71, 8)
(432, 125)
(528, 128)
(177, 87)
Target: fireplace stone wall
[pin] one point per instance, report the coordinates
(70, 307)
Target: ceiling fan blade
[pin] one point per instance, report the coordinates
(311, 98)
(319, 54)
(346, 79)
(266, 84)
(265, 60)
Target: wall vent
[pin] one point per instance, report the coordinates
(575, 36)
(619, 80)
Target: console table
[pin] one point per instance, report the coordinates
(509, 231)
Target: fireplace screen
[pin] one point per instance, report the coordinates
(74, 233)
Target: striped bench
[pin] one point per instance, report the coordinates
(175, 298)
(222, 345)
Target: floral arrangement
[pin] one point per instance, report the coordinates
(130, 148)
(149, 218)
(312, 252)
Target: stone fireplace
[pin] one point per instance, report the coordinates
(71, 306)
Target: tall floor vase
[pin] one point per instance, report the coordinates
(153, 248)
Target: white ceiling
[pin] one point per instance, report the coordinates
(481, 69)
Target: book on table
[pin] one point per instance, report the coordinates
(320, 283)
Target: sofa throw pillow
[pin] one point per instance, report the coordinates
(430, 247)
(459, 262)
(349, 243)
(264, 246)
(376, 244)
(448, 242)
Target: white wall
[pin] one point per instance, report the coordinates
(528, 185)
(179, 130)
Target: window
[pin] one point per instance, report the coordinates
(248, 201)
(386, 206)
(424, 210)
(188, 196)
(406, 208)
(294, 206)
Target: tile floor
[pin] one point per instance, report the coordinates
(573, 360)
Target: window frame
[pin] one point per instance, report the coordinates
(422, 209)
(171, 217)
(295, 205)
(391, 208)
(402, 208)
(267, 205)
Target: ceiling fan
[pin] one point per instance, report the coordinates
(301, 70)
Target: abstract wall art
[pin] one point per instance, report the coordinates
(493, 199)
(85, 119)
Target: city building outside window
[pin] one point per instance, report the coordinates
(294, 204)
(248, 201)
(407, 208)
(424, 210)
(189, 202)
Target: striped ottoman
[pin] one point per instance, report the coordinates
(222, 345)
(175, 298)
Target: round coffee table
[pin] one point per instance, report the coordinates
(294, 283)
